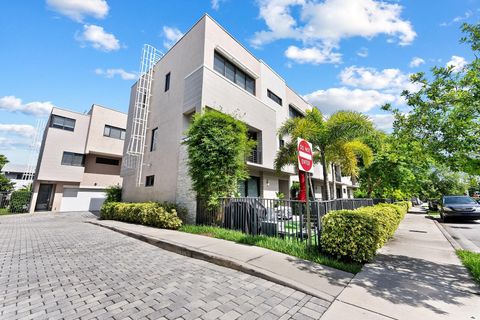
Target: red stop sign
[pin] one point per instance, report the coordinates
(305, 155)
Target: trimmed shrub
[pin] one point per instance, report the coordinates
(350, 235)
(152, 214)
(356, 235)
(19, 201)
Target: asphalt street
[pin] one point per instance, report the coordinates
(466, 233)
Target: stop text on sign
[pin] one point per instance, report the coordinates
(305, 155)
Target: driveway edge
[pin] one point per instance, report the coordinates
(219, 260)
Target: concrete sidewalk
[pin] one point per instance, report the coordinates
(417, 275)
(305, 276)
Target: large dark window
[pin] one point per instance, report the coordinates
(111, 162)
(233, 73)
(73, 159)
(249, 187)
(114, 132)
(63, 123)
(153, 142)
(274, 97)
(167, 82)
(149, 181)
(294, 113)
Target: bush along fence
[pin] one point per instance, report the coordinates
(349, 229)
(16, 202)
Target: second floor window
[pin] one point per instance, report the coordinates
(114, 132)
(233, 73)
(167, 82)
(111, 162)
(73, 159)
(63, 123)
(153, 142)
(274, 97)
(294, 113)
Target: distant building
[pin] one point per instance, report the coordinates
(81, 154)
(18, 174)
(207, 67)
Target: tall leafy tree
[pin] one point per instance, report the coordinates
(336, 135)
(217, 146)
(444, 113)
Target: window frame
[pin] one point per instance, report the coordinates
(113, 162)
(167, 81)
(154, 139)
(150, 181)
(274, 97)
(62, 126)
(109, 135)
(293, 112)
(220, 64)
(72, 162)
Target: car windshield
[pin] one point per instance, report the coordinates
(459, 200)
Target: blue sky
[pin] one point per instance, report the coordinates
(73, 53)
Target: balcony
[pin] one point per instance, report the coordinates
(255, 157)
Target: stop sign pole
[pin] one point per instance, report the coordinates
(305, 163)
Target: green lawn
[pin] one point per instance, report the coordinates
(471, 260)
(290, 247)
(4, 211)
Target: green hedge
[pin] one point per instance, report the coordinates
(19, 201)
(147, 213)
(356, 235)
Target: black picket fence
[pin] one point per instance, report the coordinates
(273, 217)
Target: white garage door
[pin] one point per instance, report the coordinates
(79, 199)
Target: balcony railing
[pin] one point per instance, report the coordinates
(255, 157)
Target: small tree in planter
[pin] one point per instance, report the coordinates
(217, 145)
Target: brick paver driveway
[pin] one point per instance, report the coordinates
(57, 266)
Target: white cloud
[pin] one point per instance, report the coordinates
(171, 35)
(324, 24)
(416, 62)
(383, 121)
(79, 9)
(371, 78)
(111, 73)
(36, 108)
(363, 52)
(457, 63)
(312, 55)
(457, 19)
(216, 4)
(98, 38)
(334, 99)
(25, 130)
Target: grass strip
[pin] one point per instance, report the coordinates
(291, 247)
(471, 261)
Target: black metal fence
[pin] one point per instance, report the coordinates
(273, 217)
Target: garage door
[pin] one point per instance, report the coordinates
(80, 199)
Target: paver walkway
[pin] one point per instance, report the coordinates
(417, 275)
(57, 266)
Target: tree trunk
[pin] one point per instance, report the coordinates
(326, 189)
(334, 183)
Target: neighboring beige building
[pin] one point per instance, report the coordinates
(81, 154)
(207, 67)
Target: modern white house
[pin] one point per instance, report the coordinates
(19, 174)
(208, 68)
(80, 155)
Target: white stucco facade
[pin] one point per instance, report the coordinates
(80, 155)
(195, 84)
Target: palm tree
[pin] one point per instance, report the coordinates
(326, 136)
(346, 155)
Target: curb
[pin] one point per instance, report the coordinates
(453, 242)
(221, 261)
